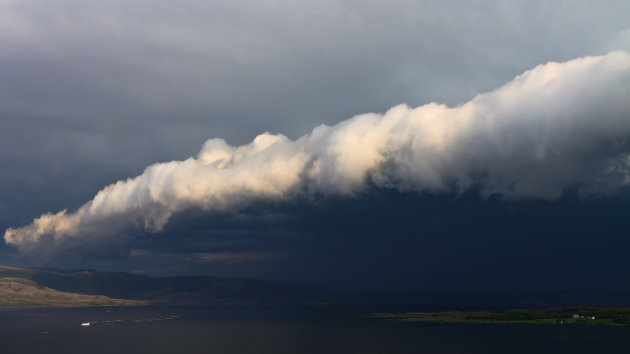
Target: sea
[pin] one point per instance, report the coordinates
(280, 329)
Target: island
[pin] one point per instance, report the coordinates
(609, 316)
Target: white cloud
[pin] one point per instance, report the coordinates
(556, 126)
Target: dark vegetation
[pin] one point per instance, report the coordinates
(563, 315)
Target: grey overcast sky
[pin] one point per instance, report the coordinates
(92, 92)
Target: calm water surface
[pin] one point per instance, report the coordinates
(280, 330)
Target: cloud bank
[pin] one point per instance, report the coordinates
(557, 126)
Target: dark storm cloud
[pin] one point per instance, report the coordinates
(406, 241)
(388, 240)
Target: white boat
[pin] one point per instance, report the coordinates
(85, 324)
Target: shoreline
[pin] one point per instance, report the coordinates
(592, 316)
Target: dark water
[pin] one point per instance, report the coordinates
(280, 330)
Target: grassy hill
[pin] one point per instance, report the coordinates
(153, 290)
(19, 292)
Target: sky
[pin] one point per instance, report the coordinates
(465, 146)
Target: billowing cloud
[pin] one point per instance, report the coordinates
(557, 126)
(159, 77)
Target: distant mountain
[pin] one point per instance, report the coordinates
(163, 290)
(89, 287)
